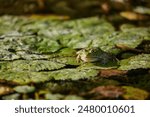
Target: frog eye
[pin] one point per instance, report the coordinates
(91, 50)
(94, 50)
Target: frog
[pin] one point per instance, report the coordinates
(97, 56)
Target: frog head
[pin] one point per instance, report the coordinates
(82, 55)
(89, 54)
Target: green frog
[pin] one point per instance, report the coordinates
(96, 56)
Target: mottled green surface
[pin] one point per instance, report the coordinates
(135, 62)
(56, 59)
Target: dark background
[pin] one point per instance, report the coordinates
(72, 8)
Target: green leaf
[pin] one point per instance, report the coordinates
(135, 62)
(66, 60)
(134, 93)
(24, 89)
(127, 39)
(81, 33)
(14, 96)
(62, 97)
(39, 77)
(50, 96)
(47, 46)
(73, 97)
(23, 77)
(67, 52)
(143, 10)
(131, 38)
(6, 55)
(74, 74)
(31, 65)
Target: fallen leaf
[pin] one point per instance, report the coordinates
(133, 16)
(5, 90)
(107, 92)
(112, 72)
